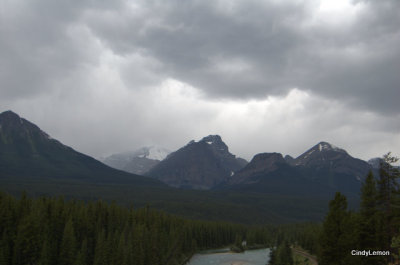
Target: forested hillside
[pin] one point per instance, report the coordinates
(56, 231)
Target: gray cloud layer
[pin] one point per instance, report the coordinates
(253, 49)
(170, 71)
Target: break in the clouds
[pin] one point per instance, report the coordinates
(267, 75)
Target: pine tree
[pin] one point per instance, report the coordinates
(68, 245)
(81, 258)
(45, 255)
(368, 220)
(27, 244)
(388, 200)
(281, 255)
(101, 251)
(334, 239)
(285, 254)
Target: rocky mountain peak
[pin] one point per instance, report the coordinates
(261, 163)
(323, 151)
(212, 139)
(289, 159)
(216, 141)
(198, 165)
(10, 114)
(325, 146)
(12, 125)
(268, 157)
(217, 145)
(10, 118)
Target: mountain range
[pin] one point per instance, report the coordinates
(323, 169)
(200, 180)
(208, 164)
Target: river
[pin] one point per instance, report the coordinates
(250, 257)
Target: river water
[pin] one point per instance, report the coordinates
(250, 257)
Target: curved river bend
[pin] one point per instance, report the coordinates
(250, 257)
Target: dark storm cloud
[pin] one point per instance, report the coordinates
(104, 76)
(257, 48)
(41, 44)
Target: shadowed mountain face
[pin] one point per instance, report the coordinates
(28, 152)
(323, 169)
(325, 155)
(260, 164)
(198, 165)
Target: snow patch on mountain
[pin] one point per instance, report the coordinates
(157, 153)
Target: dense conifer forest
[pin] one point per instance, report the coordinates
(56, 231)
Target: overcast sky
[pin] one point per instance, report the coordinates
(111, 76)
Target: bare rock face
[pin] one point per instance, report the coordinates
(198, 165)
(261, 163)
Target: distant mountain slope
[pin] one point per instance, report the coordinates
(333, 166)
(139, 161)
(26, 153)
(198, 165)
(323, 169)
(327, 155)
(260, 164)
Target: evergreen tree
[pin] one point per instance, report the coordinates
(335, 240)
(101, 251)
(388, 201)
(45, 255)
(396, 246)
(285, 254)
(5, 248)
(368, 220)
(282, 255)
(81, 258)
(68, 245)
(27, 244)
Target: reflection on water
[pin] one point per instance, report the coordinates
(251, 257)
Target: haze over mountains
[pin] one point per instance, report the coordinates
(139, 161)
(269, 187)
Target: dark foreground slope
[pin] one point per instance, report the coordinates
(29, 154)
